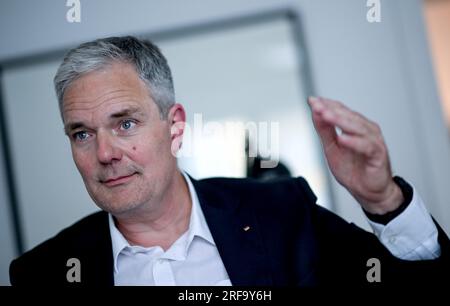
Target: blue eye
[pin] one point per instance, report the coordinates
(80, 136)
(127, 124)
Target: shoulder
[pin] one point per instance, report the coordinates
(276, 192)
(34, 264)
(274, 199)
(287, 203)
(281, 188)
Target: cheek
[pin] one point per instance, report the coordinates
(142, 154)
(152, 153)
(149, 149)
(83, 163)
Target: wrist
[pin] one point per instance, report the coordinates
(407, 192)
(392, 200)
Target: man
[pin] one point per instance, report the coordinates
(161, 227)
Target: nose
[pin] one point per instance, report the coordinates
(107, 149)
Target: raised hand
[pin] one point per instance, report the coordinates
(357, 157)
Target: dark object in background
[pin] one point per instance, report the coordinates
(254, 170)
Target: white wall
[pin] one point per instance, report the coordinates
(380, 69)
(8, 248)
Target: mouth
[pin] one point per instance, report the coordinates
(118, 180)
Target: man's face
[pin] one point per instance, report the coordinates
(119, 143)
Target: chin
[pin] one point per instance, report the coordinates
(122, 200)
(119, 208)
(117, 204)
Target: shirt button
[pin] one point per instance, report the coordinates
(392, 239)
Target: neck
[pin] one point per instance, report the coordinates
(163, 223)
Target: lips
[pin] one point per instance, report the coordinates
(118, 180)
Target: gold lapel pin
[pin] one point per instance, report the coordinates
(247, 228)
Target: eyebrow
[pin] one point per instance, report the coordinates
(126, 112)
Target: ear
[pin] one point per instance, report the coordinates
(177, 121)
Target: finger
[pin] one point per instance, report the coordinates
(353, 115)
(361, 145)
(326, 131)
(347, 120)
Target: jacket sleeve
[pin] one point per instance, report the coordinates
(347, 253)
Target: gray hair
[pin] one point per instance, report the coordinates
(147, 59)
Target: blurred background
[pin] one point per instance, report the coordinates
(235, 63)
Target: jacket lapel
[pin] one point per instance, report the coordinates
(233, 226)
(94, 250)
(235, 231)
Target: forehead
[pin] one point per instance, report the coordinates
(103, 91)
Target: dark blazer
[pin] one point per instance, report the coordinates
(291, 241)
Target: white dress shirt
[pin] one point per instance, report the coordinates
(412, 235)
(193, 259)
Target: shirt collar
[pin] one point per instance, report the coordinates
(197, 228)
(118, 241)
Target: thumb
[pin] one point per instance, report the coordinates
(326, 131)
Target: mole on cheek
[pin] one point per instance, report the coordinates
(134, 148)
